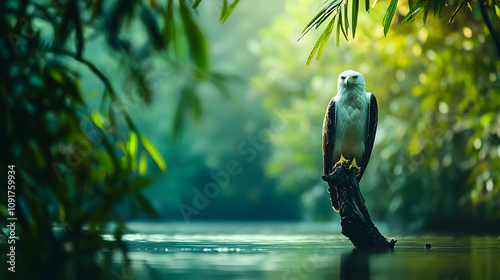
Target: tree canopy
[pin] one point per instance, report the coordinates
(410, 11)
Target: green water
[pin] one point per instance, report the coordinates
(299, 251)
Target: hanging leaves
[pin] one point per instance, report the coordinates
(153, 152)
(320, 44)
(227, 10)
(321, 17)
(197, 45)
(414, 11)
(131, 147)
(389, 14)
(339, 8)
(354, 18)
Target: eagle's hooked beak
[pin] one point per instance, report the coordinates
(348, 81)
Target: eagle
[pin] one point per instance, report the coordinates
(349, 127)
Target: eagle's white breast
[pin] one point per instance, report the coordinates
(351, 118)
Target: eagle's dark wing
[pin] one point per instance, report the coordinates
(370, 136)
(328, 146)
(328, 137)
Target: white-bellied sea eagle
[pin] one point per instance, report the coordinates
(349, 126)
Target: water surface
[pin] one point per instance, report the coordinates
(278, 250)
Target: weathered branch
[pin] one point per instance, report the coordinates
(356, 222)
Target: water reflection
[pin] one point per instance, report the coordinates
(355, 265)
(296, 251)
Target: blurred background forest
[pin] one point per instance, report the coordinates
(154, 109)
(437, 158)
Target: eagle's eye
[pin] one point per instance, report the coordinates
(355, 77)
(343, 77)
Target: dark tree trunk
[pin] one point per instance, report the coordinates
(356, 222)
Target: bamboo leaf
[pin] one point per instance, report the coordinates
(342, 26)
(438, 5)
(346, 20)
(155, 155)
(330, 9)
(313, 52)
(132, 143)
(426, 11)
(386, 22)
(197, 46)
(97, 118)
(132, 149)
(414, 11)
(355, 11)
(227, 10)
(367, 5)
(338, 32)
(456, 11)
(168, 31)
(320, 17)
(196, 3)
(223, 10)
(142, 164)
(320, 44)
(326, 35)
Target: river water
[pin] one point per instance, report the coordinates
(299, 251)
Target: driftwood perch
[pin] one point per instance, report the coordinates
(356, 222)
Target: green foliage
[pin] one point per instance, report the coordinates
(321, 43)
(157, 158)
(334, 6)
(386, 22)
(436, 158)
(340, 10)
(227, 10)
(77, 158)
(354, 17)
(197, 46)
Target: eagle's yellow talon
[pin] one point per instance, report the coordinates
(355, 166)
(342, 160)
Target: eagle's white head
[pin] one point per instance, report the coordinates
(351, 80)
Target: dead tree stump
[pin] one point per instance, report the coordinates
(356, 222)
